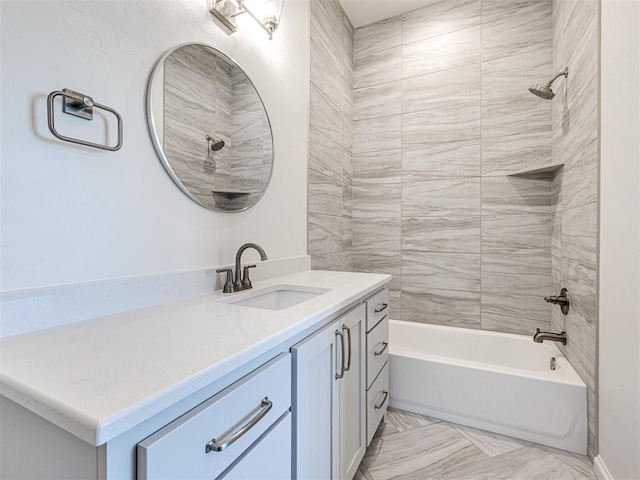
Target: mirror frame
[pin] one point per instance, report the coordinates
(151, 125)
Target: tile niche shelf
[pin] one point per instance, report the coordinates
(538, 171)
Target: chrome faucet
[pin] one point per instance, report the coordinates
(540, 337)
(245, 282)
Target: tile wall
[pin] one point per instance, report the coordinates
(330, 137)
(575, 200)
(441, 116)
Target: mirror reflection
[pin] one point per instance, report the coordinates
(210, 128)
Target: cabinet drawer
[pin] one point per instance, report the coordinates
(251, 405)
(267, 459)
(377, 308)
(377, 402)
(377, 350)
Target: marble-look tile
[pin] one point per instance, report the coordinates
(323, 114)
(516, 273)
(325, 194)
(395, 297)
(377, 261)
(513, 74)
(517, 234)
(380, 100)
(515, 27)
(455, 159)
(375, 199)
(513, 195)
(429, 450)
(592, 423)
(362, 474)
(581, 347)
(368, 142)
(374, 126)
(578, 127)
(347, 233)
(378, 36)
(524, 463)
(446, 124)
(515, 114)
(403, 421)
(324, 72)
(504, 155)
(376, 234)
(325, 233)
(326, 156)
(514, 312)
(440, 17)
(572, 18)
(490, 443)
(380, 166)
(382, 66)
(580, 281)
(441, 234)
(441, 198)
(580, 178)
(330, 26)
(454, 308)
(441, 89)
(336, 262)
(425, 270)
(580, 234)
(580, 463)
(583, 71)
(347, 199)
(455, 49)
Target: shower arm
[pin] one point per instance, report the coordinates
(564, 73)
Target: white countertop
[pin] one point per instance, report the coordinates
(99, 378)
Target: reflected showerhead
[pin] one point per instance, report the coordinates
(216, 143)
(544, 91)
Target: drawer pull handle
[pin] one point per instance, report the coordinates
(381, 404)
(342, 350)
(348, 367)
(384, 347)
(215, 446)
(382, 308)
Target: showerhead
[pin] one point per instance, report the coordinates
(216, 143)
(544, 91)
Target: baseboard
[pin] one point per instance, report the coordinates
(602, 472)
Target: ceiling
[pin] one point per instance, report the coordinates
(364, 12)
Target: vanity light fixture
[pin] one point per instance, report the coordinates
(265, 12)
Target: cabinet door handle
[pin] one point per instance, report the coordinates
(382, 308)
(348, 367)
(384, 347)
(381, 404)
(218, 446)
(341, 335)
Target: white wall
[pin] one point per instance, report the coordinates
(72, 214)
(619, 331)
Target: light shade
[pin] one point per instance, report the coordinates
(265, 12)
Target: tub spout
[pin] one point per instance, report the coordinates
(540, 337)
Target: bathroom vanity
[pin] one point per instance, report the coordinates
(260, 384)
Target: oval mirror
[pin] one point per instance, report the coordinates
(210, 128)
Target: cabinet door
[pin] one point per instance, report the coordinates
(315, 405)
(353, 439)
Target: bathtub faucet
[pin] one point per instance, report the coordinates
(540, 337)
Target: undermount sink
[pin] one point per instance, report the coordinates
(277, 297)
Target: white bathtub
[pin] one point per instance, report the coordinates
(498, 382)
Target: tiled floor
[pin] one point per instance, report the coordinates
(413, 447)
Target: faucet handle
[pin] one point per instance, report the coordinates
(246, 281)
(228, 286)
